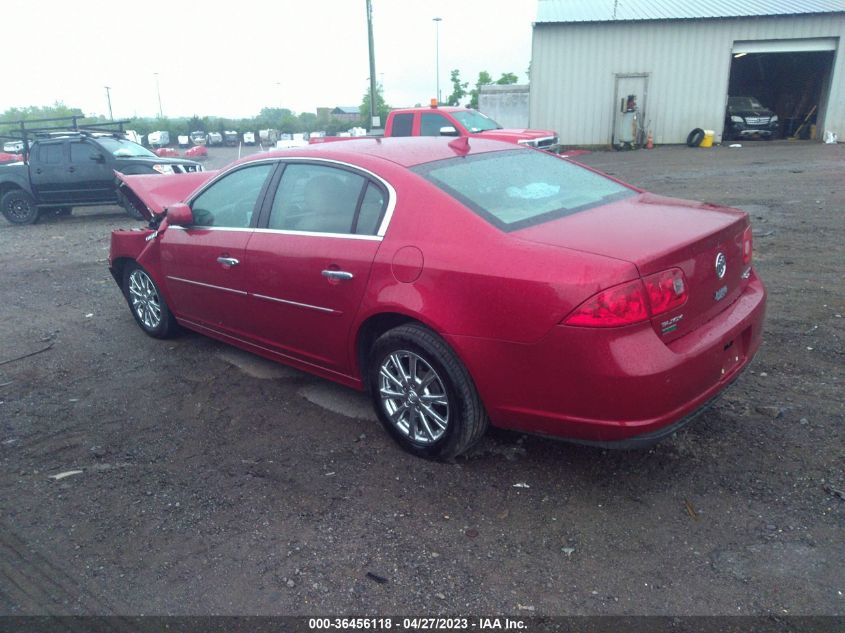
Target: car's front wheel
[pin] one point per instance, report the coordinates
(19, 207)
(423, 394)
(127, 206)
(147, 303)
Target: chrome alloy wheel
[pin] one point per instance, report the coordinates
(145, 300)
(414, 397)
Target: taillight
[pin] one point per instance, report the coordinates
(747, 245)
(666, 290)
(633, 301)
(620, 305)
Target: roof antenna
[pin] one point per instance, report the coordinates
(460, 145)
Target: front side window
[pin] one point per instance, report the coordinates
(431, 123)
(321, 199)
(50, 153)
(230, 202)
(81, 152)
(519, 188)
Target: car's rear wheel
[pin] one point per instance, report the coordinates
(147, 303)
(19, 207)
(423, 394)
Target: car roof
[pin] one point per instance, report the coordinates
(407, 151)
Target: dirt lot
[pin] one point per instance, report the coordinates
(214, 482)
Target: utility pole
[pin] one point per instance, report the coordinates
(108, 97)
(437, 22)
(375, 119)
(158, 92)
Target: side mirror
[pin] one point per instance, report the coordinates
(180, 214)
(448, 130)
(98, 158)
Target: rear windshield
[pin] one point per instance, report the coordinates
(520, 188)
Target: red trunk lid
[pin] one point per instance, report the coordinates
(656, 233)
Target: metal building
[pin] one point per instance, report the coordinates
(680, 60)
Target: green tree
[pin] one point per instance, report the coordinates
(195, 123)
(382, 108)
(507, 79)
(484, 79)
(58, 109)
(459, 90)
(307, 121)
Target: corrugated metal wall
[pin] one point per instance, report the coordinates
(574, 68)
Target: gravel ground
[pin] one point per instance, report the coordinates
(213, 482)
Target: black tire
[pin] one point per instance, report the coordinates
(130, 209)
(19, 207)
(450, 396)
(146, 303)
(695, 137)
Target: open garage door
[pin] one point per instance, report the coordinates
(789, 79)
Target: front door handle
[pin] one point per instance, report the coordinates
(228, 261)
(71, 169)
(337, 274)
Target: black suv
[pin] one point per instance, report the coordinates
(75, 167)
(746, 117)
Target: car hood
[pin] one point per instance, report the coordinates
(744, 112)
(156, 160)
(151, 194)
(514, 135)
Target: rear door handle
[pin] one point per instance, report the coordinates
(228, 261)
(337, 274)
(71, 169)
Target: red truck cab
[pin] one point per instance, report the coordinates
(455, 121)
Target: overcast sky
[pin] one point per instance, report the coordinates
(234, 57)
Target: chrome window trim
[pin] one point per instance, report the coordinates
(212, 286)
(198, 227)
(385, 222)
(297, 304)
(343, 236)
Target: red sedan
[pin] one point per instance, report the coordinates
(461, 283)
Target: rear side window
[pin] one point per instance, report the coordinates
(317, 199)
(403, 125)
(50, 153)
(371, 212)
(519, 188)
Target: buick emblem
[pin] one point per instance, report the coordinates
(721, 265)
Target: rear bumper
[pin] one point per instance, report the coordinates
(614, 386)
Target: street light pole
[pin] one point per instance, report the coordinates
(279, 84)
(108, 97)
(437, 22)
(375, 120)
(158, 92)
